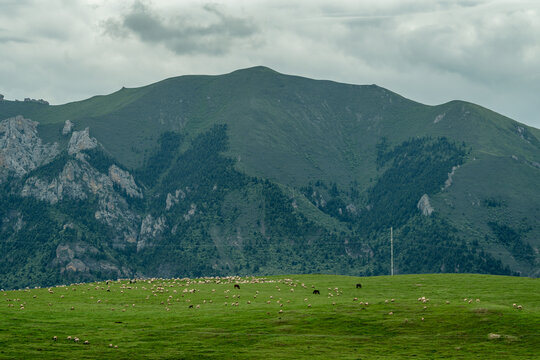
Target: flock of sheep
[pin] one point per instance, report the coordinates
(175, 292)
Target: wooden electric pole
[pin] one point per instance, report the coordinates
(391, 252)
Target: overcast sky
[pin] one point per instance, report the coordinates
(482, 51)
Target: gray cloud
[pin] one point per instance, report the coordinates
(183, 33)
(432, 51)
(7, 39)
(485, 45)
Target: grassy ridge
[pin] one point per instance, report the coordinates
(153, 319)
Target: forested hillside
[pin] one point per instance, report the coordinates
(257, 172)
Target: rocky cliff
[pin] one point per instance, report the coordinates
(21, 149)
(74, 179)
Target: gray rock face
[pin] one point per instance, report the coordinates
(78, 180)
(114, 211)
(21, 149)
(351, 209)
(439, 118)
(80, 257)
(424, 205)
(150, 229)
(125, 181)
(68, 127)
(174, 199)
(450, 179)
(81, 140)
(191, 212)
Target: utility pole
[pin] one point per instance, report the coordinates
(391, 252)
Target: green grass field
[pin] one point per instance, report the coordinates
(277, 318)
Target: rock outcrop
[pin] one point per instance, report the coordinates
(78, 181)
(450, 179)
(174, 199)
(150, 229)
(191, 212)
(424, 205)
(439, 118)
(81, 257)
(125, 181)
(68, 127)
(81, 140)
(21, 149)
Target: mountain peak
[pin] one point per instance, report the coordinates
(258, 68)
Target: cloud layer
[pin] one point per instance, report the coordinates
(209, 31)
(481, 51)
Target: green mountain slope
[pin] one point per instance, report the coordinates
(339, 164)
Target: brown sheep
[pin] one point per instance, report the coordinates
(236, 286)
(316, 292)
(358, 286)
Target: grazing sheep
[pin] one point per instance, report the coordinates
(316, 292)
(309, 305)
(69, 337)
(55, 338)
(190, 306)
(86, 342)
(236, 286)
(519, 307)
(76, 339)
(358, 286)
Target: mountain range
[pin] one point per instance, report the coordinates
(257, 172)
